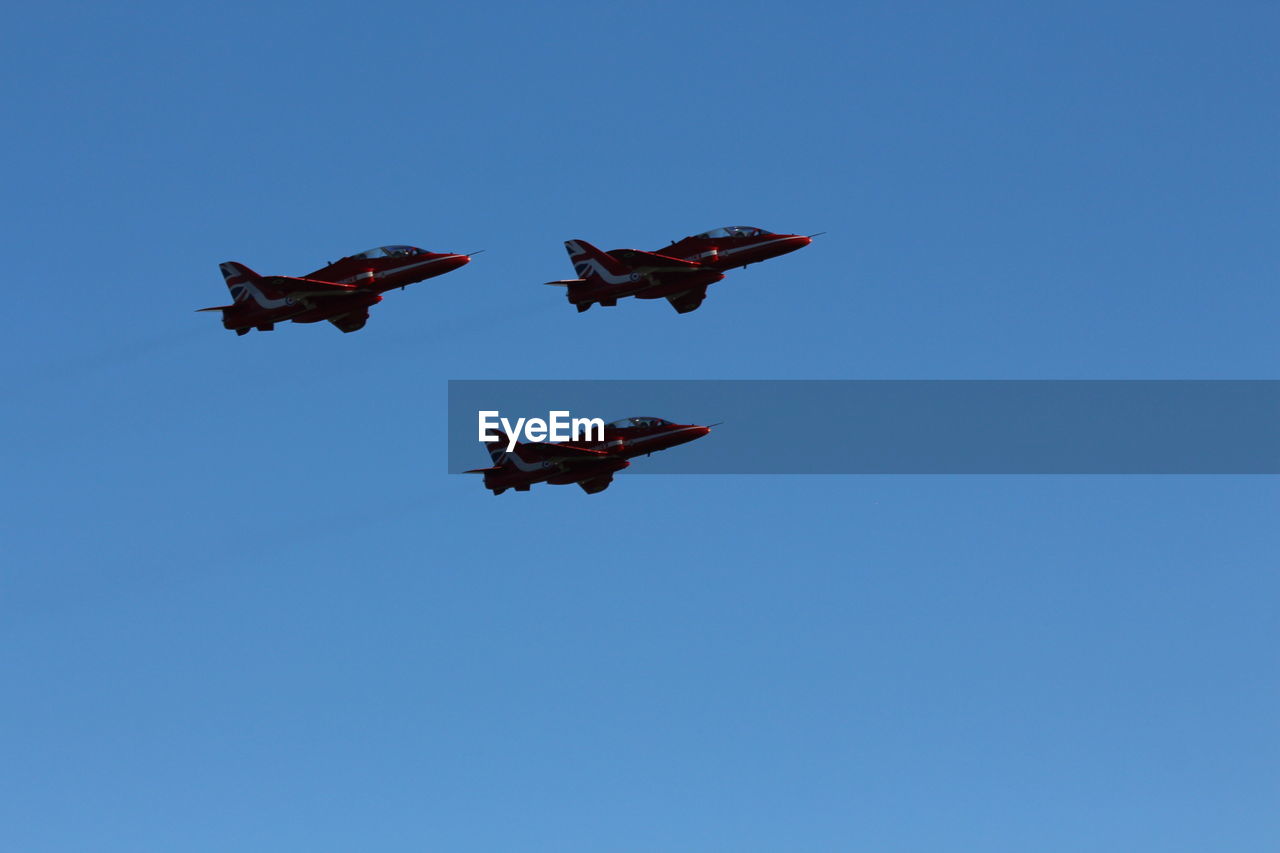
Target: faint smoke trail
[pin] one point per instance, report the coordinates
(472, 322)
(35, 374)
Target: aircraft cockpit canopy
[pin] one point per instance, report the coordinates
(391, 252)
(733, 231)
(631, 423)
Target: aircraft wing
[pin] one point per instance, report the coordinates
(592, 485)
(351, 322)
(650, 262)
(687, 301)
(564, 454)
(307, 286)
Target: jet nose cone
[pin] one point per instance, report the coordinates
(785, 243)
(701, 431)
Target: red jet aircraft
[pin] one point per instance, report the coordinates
(680, 273)
(590, 464)
(340, 293)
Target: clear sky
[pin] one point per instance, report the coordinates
(244, 609)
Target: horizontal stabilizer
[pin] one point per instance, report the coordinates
(216, 308)
(566, 282)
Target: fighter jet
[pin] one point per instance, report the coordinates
(340, 292)
(680, 273)
(590, 464)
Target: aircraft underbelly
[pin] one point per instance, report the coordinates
(325, 309)
(682, 284)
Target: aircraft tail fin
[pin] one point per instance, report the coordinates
(498, 449)
(597, 267)
(239, 278)
(603, 276)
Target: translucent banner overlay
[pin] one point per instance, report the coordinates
(911, 427)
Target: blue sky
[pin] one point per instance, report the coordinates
(243, 608)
